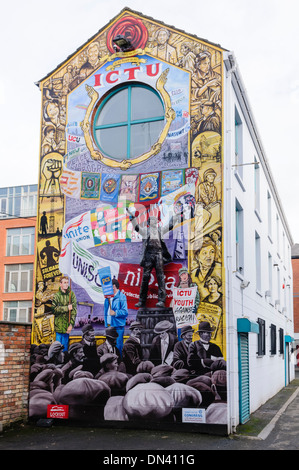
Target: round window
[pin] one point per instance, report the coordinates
(128, 121)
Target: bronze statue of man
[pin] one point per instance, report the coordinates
(155, 254)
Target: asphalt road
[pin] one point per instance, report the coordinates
(279, 419)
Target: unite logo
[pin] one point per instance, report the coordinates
(77, 230)
(58, 411)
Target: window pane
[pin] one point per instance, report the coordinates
(25, 245)
(32, 245)
(3, 205)
(13, 283)
(143, 136)
(14, 231)
(12, 314)
(17, 210)
(8, 246)
(23, 314)
(114, 110)
(15, 246)
(151, 104)
(113, 141)
(24, 281)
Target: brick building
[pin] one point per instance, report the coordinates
(17, 241)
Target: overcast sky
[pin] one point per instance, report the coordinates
(36, 36)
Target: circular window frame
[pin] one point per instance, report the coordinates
(125, 164)
(130, 155)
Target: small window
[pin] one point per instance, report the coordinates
(261, 338)
(18, 311)
(258, 261)
(239, 239)
(272, 339)
(269, 203)
(128, 121)
(238, 143)
(20, 241)
(257, 185)
(19, 277)
(281, 342)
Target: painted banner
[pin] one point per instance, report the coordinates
(183, 305)
(83, 267)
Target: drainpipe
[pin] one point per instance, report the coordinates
(232, 353)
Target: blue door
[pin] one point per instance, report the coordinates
(244, 402)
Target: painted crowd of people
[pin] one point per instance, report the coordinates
(114, 381)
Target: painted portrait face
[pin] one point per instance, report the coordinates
(212, 285)
(210, 178)
(52, 110)
(205, 335)
(93, 53)
(204, 65)
(79, 355)
(206, 255)
(64, 284)
(162, 37)
(114, 289)
(136, 332)
(184, 277)
(188, 336)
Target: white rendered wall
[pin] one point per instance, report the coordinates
(267, 372)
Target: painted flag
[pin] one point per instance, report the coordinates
(82, 267)
(70, 183)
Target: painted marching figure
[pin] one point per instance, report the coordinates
(64, 308)
(116, 310)
(155, 254)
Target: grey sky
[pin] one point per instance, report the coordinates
(36, 36)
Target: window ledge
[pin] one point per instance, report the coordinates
(240, 181)
(258, 215)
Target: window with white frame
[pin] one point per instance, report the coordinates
(238, 143)
(18, 201)
(20, 241)
(278, 283)
(261, 338)
(269, 203)
(258, 261)
(239, 238)
(273, 339)
(256, 186)
(277, 235)
(17, 311)
(19, 277)
(281, 341)
(270, 275)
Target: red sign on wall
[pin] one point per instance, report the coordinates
(58, 411)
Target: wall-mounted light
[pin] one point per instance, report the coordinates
(122, 43)
(244, 284)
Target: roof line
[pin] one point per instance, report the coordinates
(126, 9)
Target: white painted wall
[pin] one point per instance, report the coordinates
(267, 373)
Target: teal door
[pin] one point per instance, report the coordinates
(244, 403)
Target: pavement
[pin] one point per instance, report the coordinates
(274, 426)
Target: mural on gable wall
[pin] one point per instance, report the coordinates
(91, 193)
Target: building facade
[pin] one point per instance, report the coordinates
(152, 173)
(295, 265)
(17, 246)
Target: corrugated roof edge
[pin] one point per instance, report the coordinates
(129, 10)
